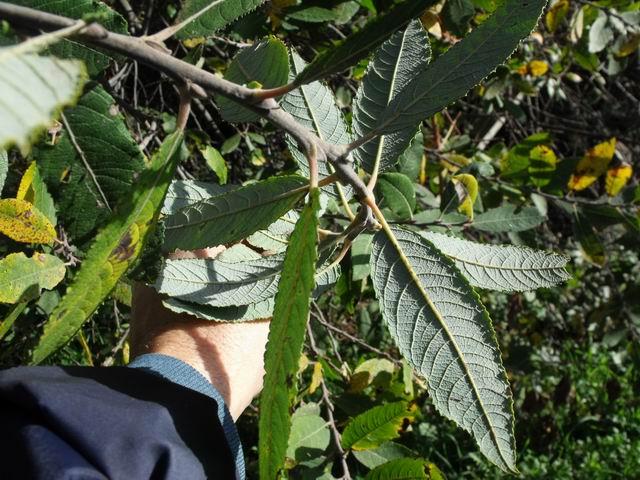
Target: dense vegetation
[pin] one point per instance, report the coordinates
(539, 155)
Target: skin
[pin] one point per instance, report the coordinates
(229, 355)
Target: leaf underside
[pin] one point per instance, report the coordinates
(313, 106)
(505, 268)
(33, 90)
(233, 215)
(445, 333)
(463, 66)
(394, 65)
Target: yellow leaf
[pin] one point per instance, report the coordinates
(523, 69)
(22, 222)
(303, 363)
(277, 7)
(629, 46)
(617, 178)
(25, 192)
(467, 194)
(592, 165)
(556, 14)
(316, 377)
(193, 42)
(538, 68)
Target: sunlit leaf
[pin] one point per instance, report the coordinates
(286, 336)
(309, 438)
(33, 90)
(556, 14)
(377, 425)
(214, 15)
(22, 277)
(445, 333)
(506, 219)
(617, 178)
(506, 268)
(467, 188)
(542, 165)
(405, 469)
(592, 165)
(114, 250)
(22, 222)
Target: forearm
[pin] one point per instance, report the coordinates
(226, 354)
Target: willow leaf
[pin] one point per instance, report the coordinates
(183, 193)
(33, 90)
(463, 66)
(314, 107)
(506, 219)
(358, 45)
(212, 15)
(405, 469)
(22, 277)
(445, 333)
(286, 335)
(95, 60)
(233, 215)
(502, 267)
(115, 249)
(227, 282)
(394, 65)
(377, 425)
(239, 313)
(265, 62)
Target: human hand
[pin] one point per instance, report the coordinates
(229, 355)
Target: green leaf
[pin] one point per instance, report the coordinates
(115, 249)
(463, 66)
(233, 215)
(314, 107)
(312, 15)
(410, 160)
(275, 237)
(22, 222)
(393, 66)
(377, 425)
(405, 469)
(358, 45)
(542, 165)
(385, 452)
(182, 193)
(360, 253)
(215, 162)
(399, 194)
(286, 335)
(309, 437)
(92, 166)
(502, 267)
(456, 15)
(239, 313)
(587, 237)
(22, 278)
(96, 60)
(227, 281)
(445, 333)
(215, 15)
(4, 167)
(505, 219)
(265, 62)
(33, 90)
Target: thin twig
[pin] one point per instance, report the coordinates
(326, 398)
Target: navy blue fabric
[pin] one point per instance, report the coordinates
(117, 423)
(183, 374)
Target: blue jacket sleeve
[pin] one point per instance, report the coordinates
(159, 420)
